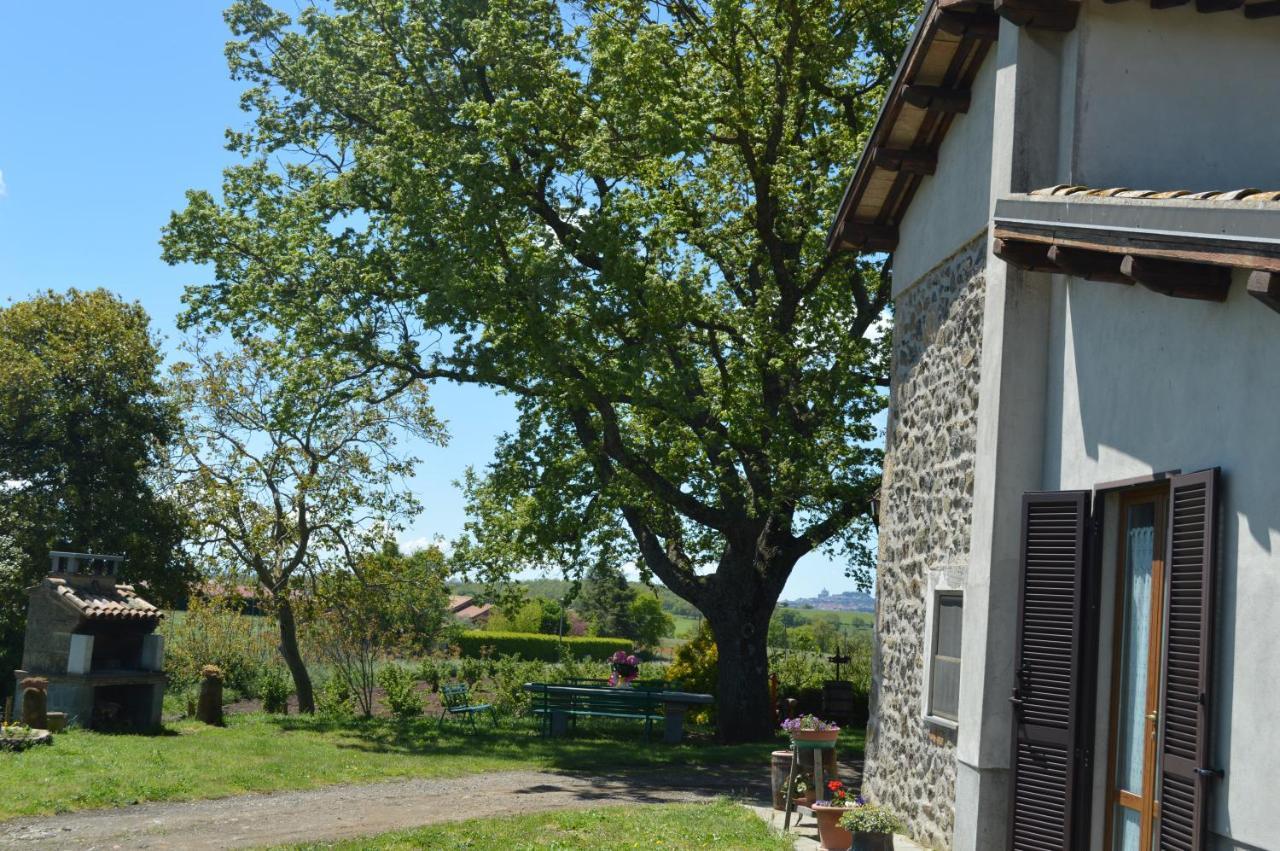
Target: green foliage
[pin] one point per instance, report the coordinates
(401, 693)
(606, 602)
(870, 818)
(509, 676)
(615, 212)
(291, 467)
(546, 648)
(535, 615)
(432, 672)
(84, 428)
(696, 666)
(334, 699)
(650, 623)
(213, 632)
(274, 689)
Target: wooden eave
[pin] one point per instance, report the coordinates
(1184, 249)
(932, 86)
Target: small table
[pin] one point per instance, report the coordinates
(816, 748)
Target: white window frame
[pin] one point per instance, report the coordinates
(948, 584)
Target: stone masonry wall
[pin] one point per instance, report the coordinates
(925, 517)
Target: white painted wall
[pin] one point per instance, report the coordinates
(1140, 383)
(1176, 99)
(953, 205)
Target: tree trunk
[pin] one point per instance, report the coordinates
(740, 623)
(293, 656)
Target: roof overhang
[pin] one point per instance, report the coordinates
(1185, 247)
(1062, 14)
(932, 86)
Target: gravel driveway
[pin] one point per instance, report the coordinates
(343, 812)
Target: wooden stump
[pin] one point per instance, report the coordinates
(209, 707)
(35, 706)
(35, 703)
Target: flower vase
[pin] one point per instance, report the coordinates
(816, 735)
(831, 836)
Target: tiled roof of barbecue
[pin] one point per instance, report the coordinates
(1066, 191)
(109, 602)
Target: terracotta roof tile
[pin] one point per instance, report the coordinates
(1064, 190)
(114, 602)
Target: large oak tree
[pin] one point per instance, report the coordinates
(614, 211)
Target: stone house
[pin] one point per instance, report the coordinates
(1078, 587)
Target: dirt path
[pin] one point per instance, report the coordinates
(343, 812)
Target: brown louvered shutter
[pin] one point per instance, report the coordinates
(1046, 717)
(1185, 770)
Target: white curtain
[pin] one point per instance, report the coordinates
(1139, 552)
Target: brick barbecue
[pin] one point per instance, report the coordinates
(95, 642)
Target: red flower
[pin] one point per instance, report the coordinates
(834, 785)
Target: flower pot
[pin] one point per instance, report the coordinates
(864, 841)
(816, 735)
(831, 836)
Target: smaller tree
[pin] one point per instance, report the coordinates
(606, 602)
(377, 605)
(289, 465)
(650, 622)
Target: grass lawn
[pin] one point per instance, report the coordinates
(722, 824)
(260, 753)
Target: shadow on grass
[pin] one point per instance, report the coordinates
(600, 746)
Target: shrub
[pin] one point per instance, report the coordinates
(402, 696)
(532, 646)
(509, 676)
(274, 688)
(431, 672)
(334, 700)
(696, 668)
(212, 632)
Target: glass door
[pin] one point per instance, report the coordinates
(1133, 809)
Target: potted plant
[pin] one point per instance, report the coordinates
(626, 667)
(831, 835)
(801, 794)
(871, 826)
(811, 728)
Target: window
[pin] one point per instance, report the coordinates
(944, 670)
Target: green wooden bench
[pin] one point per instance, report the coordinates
(456, 700)
(559, 706)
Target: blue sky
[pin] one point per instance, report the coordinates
(108, 113)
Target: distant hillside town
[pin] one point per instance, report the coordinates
(845, 601)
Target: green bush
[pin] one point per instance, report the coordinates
(274, 688)
(536, 647)
(334, 699)
(696, 667)
(431, 672)
(509, 676)
(402, 696)
(212, 632)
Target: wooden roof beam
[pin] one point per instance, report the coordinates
(1057, 15)
(979, 24)
(866, 236)
(938, 99)
(1218, 5)
(1091, 265)
(1178, 278)
(1025, 255)
(910, 162)
(1265, 287)
(1265, 9)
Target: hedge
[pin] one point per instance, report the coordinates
(533, 646)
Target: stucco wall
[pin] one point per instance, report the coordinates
(1175, 99)
(955, 203)
(1140, 383)
(924, 532)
